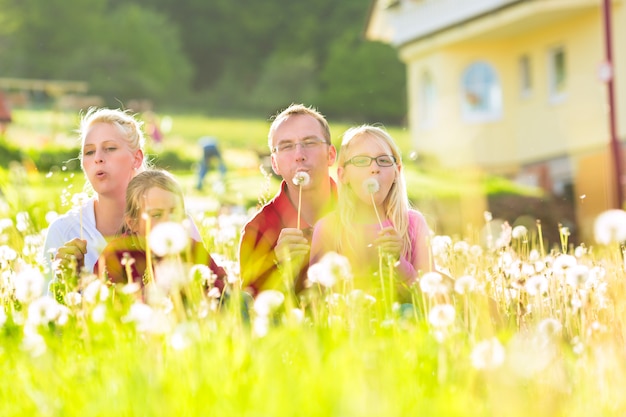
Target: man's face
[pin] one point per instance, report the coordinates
(299, 146)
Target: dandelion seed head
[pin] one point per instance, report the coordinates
(203, 273)
(268, 301)
(536, 285)
(301, 178)
(519, 232)
(476, 251)
(168, 238)
(330, 269)
(550, 327)
(99, 313)
(610, 227)
(29, 284)
(371, 185)
(442, 316)
(465, 284)
(431, 283)
(488, 354)
(73, 299)
(461, 247)
(564, 262)
(577, 275)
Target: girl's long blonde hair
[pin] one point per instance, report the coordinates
(396, 204)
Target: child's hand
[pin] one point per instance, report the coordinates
(389, 242)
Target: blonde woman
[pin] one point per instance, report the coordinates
(112, 143)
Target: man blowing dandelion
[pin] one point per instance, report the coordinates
(275, 243)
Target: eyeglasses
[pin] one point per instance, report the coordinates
(365, 161)
(308, 143)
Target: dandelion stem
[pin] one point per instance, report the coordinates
(380, 223)
(299, 204)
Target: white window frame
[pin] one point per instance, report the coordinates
(557, 74)
(525, 76)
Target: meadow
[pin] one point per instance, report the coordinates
(523, 329)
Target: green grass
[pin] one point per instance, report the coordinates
(342, 354)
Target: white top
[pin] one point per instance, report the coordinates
(68, 226)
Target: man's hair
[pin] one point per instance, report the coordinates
(298, 109)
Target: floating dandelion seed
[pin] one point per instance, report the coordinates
(168, 238)
(300, 179)
(372, 186)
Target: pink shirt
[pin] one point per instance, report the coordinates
(357, 246)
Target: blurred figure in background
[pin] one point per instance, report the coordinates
(210, 154)
(5, 114)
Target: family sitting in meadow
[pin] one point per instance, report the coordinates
(367, 218)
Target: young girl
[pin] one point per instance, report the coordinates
(373, 218)
(152, 197)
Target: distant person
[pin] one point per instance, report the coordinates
(275, 243)
(5, 114)
(210, 155)
(373, 217)
(153, 128)
(152, 195)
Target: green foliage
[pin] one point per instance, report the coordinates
(373, 66)
(229, 58)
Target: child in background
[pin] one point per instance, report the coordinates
(152, 197)
(373, 216)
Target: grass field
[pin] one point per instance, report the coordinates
(521, 330)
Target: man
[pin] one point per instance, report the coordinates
(273, 251)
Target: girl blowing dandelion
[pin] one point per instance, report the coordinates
(153, 220)
(373, 213)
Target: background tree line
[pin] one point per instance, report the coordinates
(218, 56)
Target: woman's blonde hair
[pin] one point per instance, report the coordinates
(396, 204)
(126, 123)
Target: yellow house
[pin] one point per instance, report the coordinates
(518, 88)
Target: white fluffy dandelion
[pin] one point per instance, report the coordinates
(371, 185)
(267, 302)
(28, 284)
(488, 354)
(519, 232)
(330, 269)
(465, 284)
(610, 226)
(301, 178)
(442, 316)
(168, 238)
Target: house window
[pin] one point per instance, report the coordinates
(482, 95)
(426, 104)
(525, 76)
(557, 73)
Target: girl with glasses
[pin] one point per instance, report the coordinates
(373, 218)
